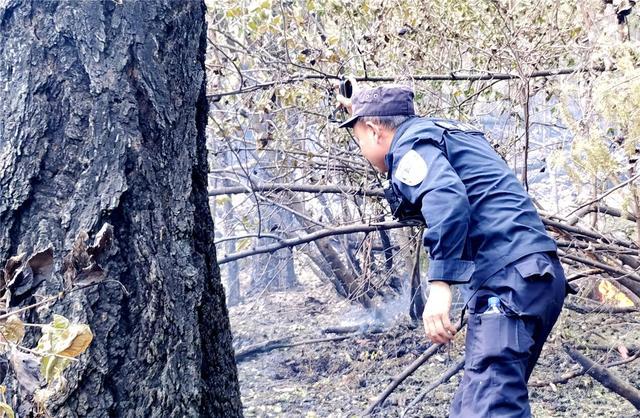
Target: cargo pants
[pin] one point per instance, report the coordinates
(502, 349)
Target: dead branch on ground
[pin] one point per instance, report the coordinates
(564, 378)
(606, 377)
(452, 371)
(270, 345)
(406, 373)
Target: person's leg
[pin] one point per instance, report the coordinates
(547, 314)
(502, 349)
(494, 385)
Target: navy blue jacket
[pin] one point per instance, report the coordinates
(479, 217)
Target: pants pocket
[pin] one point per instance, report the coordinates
(495, 338)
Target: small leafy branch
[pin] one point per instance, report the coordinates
(39, 370)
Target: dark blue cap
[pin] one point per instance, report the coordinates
(380, 101)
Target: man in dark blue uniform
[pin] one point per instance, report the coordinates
(483, 233)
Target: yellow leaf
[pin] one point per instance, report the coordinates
(13, 329)
(243, 244)
(80, 342)
(611, 294)
(62, 338)
(234, 12)
(52, 367)
(6, 410)
(59, 322)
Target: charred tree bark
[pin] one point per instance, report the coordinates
(102, 121)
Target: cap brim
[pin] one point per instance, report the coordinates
(349, 122)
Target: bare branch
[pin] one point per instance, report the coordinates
(600, 208)
(452, 76)
(570, 375)
(291, 242)
(406, 373)
(607, 193)
(452, 371)
(270, 345)
(304, 188)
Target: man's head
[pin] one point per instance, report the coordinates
(376, 114)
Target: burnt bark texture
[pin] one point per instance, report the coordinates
(102, 122)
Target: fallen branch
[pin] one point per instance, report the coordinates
(608, 309)
(452, 371)
(585, 232)
(607, 378)
(592, 246)
(633, 348)
(406, 373)
(606, 267)
(583, 274)
(342, 330)
(570, 375)
(266, 346)
(600, 208)
(368, 328)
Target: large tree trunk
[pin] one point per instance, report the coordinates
(102, 121)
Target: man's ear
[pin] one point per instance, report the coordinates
(376, 129)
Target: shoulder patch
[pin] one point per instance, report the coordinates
(412, 169)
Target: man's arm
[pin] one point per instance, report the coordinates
(445, 207)
(446, 210)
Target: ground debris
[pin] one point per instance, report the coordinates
(340, 378)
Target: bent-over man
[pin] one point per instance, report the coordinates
(483, 233)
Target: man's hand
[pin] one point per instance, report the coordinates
(344, 102)
(437, 325)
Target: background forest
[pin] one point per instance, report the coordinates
(306, 244)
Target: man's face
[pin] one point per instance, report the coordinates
(374, 143)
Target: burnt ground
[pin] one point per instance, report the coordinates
(340, 378)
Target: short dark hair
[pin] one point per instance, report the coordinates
(388, 122)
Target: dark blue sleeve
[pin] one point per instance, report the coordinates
(446, 211)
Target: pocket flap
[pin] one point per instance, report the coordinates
(535, 265)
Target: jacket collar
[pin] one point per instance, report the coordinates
(400, 130)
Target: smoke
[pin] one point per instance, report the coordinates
(391, 311)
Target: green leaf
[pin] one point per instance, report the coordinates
(234, 12)
(52, 367)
